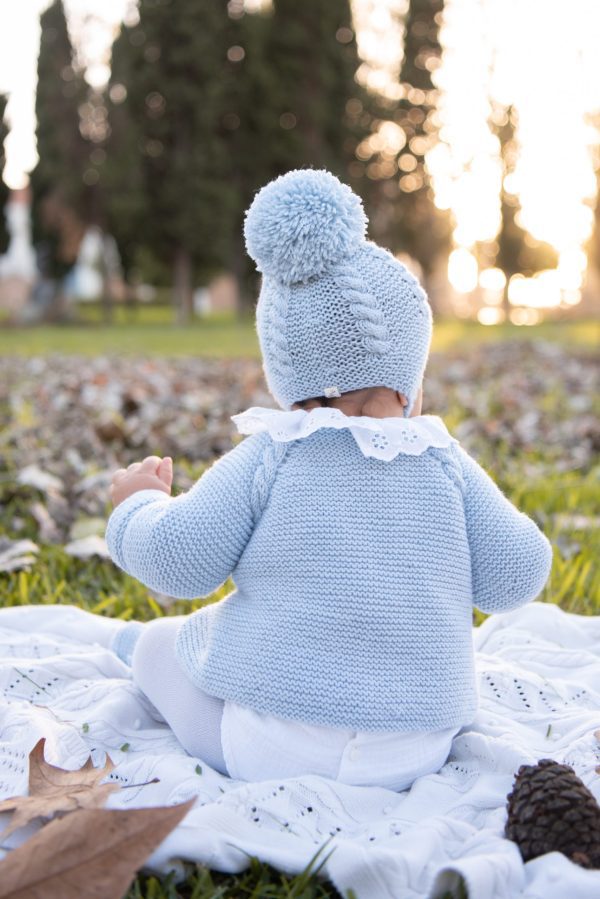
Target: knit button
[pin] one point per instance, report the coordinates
(354, 754)
(388, 809)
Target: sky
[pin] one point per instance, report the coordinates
(93, 22)
(540, 55)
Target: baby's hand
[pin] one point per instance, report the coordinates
(153, 473)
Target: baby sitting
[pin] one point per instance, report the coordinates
(358, 533)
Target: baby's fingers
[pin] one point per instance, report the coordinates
(150, 465)
(165, 471)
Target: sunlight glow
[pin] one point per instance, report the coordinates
(540, 57)
(554, 84)
(379, 37)
(490, 316)
(462, 270)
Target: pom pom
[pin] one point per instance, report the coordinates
(302, 223)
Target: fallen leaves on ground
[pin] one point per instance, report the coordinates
(88, 853)
(67, 422)
(53, 790)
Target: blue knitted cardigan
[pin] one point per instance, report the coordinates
(355, 578)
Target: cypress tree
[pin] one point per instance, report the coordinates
(518, 252)
(207, 103)
(121, 176)
(60, 195)
(175, 64)
(4, 235)
(246, 118)
(290, 104)
(421, 229)
(400, 195)
(312, 55)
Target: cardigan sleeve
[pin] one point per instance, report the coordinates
(510, 556)
(186, 546)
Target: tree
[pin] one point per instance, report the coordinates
(312, 55)
(247, 118)
(401, 195)
(61, 197)
(288, 103)
(293, 99)
(422, 230)
(4, 235)
(208, 103)
(518, 251)
(170, 139)
(121, 175)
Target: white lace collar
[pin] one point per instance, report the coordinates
(380, 438)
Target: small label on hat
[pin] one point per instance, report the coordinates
(330, 392)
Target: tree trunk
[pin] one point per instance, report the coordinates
(506, 305)
(245, 301)
(105, 273)
(182, 287)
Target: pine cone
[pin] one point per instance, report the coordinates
(551, 810)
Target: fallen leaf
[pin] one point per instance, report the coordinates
(32, 476)
(54, 790)
(15, 554)
(88, 546)
(48, 531)
(568, 548)
(577, 522)
(88, 853)
(87, 527)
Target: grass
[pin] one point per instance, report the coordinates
(152, 332)
(100, 587)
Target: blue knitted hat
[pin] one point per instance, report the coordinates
(336, 312)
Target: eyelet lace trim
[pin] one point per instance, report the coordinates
(379, 438)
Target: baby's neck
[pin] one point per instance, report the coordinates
(374, 402)
(376, 408)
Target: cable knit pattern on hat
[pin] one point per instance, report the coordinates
(363, 306)
(355, 578)
(335, 310)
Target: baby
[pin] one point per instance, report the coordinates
(358, 532)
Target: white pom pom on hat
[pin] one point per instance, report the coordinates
(302, 223)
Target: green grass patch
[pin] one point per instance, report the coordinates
(153, 333)
(201, 338)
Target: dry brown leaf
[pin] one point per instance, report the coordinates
(17, 554)
(88, 853)
(53, 790)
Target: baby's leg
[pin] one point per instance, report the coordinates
(194, 716)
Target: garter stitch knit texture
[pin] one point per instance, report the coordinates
(355, 578)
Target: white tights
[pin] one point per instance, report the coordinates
(193, 716)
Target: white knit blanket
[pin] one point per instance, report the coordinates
(539, 680)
